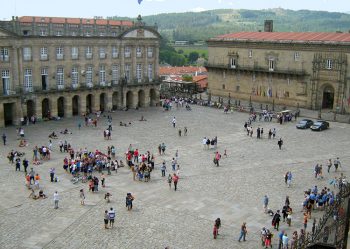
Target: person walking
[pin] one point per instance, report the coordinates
(106, 219)
(289, 178)
(111, 217)
(82, 197)
(4, 138)
(56, 199)
(336, 163)
(329, 165)
(174, 122)
(285, 241)
(280, 143)
(170, 179)
(25, 164)
(175, 180)
(52, 174)
(276, 220)
(265, 203)
(243, 232)
(163, 168)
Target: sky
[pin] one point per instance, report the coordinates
(131, 8)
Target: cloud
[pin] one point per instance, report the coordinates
(219, 1)
(198, 9)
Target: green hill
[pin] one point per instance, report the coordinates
(199, 26)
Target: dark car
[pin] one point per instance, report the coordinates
(319, 125)
(304, 124)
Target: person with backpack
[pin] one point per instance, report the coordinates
(276, 220)
(280, 143)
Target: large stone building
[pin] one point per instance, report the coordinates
(71, 66)
(310, 70)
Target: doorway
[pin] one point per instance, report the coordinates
(328, 98)
(9, 113)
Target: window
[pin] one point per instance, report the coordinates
(102, 75)
(233, 62)
(237, 88)
(271, 65)
(114, 33)
(139, 72)
(150, 72)
(296, 56)
(102, 53)
(150, 52)
(60, 78)
(115, 74)
(127, 71)
(115, 52)
(5, 77)
(44, 78)
(74, 33)
(42, 32)
(4, 54)
(223, 86)
(58, 33)
(75, 53)
(89, 76)
(102, 34)
(329, 64)
(250, 53)
(43, 53)
(27, 53)
(88, 52)
(87, 33)
(127, 52)
(28, 80)
(59, 53)
(138, 52)
(75, 77)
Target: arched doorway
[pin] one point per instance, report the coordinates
(30, 108)
(115, 100)
(141, 96)
(328, 97)
(129, 99)
(75, 105)
(153, 97)
(102, 102)
(60, 107)
(89, 103)
(45, 108)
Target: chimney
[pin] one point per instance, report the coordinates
(268, 26)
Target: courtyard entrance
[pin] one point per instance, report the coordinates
(328, 98)
(9, 113)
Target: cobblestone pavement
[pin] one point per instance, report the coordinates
(163, 217)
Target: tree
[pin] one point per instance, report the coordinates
(187, 78)
(193, 56)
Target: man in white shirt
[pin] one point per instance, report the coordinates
(174, 122)
(56, 199)
(204, 142)
(111, 215)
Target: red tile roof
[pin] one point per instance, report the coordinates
(45, 19)
(201, 80)
(181, 70)
(322, 37)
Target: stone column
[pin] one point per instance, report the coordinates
(68, 109)
(147, 98)
(109, 104)
(17, 113)
(2, 117)
(82, 104)
(38, 108)
(53, 106)
(96, 102)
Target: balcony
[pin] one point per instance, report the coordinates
(88, 55)
(4, 58)
(75, 56)
(138, 54)
(102, 55)
(149, 54)
(9, 92)
(43, 57)
(59, 56)
(28, 89)
(127, 55)
(75, 86)
(258, 69)
(27, 57)
(89, 85)
(115, 55)
(60, 87)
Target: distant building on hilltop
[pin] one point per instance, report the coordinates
(57, 66)
(306, 69)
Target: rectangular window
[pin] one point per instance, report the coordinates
(102, 75)
(43, 53)
(59, 53)
(59, 33)
(5, 77)
(250, 53)
(127, 72)
(60, 78)
(139, 73)
(115, 74)
(27, 53)
(150, 72)
(296, 56)
(102, 53)
(4, 54)
(89, 76)
(150, 52)
(233, 62)
(44, 78)
(127, 52)
(329, 64)
(75, 53)
(88, 52)
(42, 32)
(115, 53)
(138, 52)
(75, 77)
(28, 80)
(271, 65)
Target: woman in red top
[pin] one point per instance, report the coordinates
(175, 180)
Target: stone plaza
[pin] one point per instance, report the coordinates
(162, 217)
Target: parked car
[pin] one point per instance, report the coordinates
(320, 125)
(304, 124)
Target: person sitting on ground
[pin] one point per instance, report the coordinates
(41, 194)
(53, 135)
(121, 164)
(65, 131)
(22, 143)
(33, 195)
(107, 197)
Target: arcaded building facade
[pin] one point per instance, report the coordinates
(310, 70)
(73, 66)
